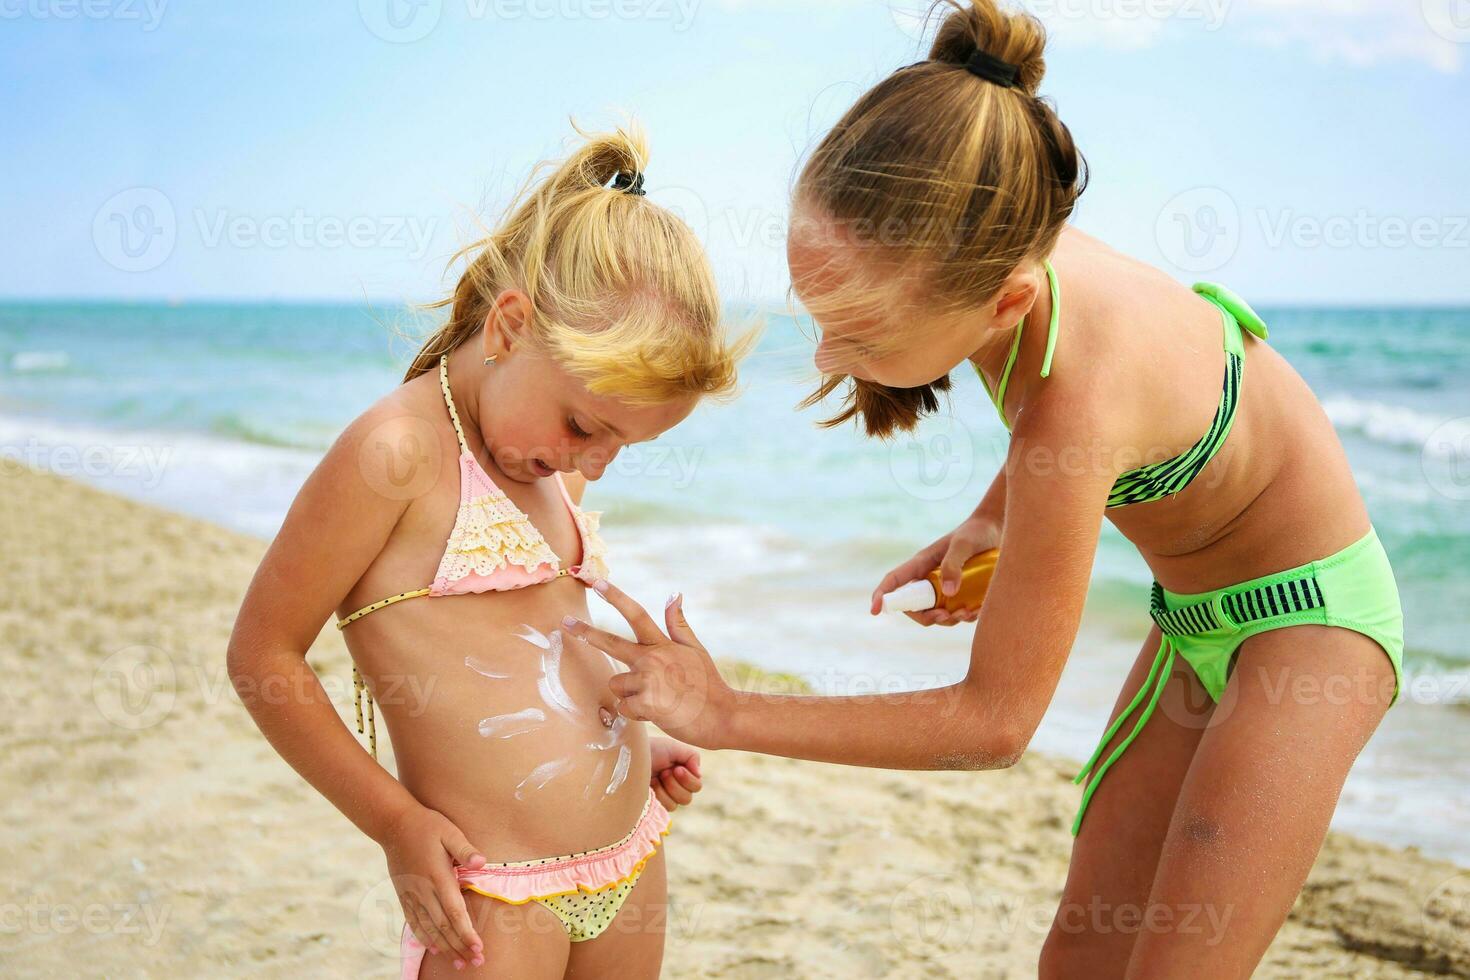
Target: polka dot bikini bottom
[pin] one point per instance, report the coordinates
(584, 890)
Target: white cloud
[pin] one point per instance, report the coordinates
(1354, 32)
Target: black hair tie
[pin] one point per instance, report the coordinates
(992, 69)
(629, 183)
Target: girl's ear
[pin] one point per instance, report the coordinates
(1017, 295)
(506, 322)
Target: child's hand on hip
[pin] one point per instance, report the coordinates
(423, 849)
(675, 774)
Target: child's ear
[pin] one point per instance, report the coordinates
(506, 322)
(1017, 295)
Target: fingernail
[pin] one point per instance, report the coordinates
(600, 584)
(569, 621)
(478, 961)
(459, 964)
(673, 598)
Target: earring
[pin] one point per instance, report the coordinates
(491, 358)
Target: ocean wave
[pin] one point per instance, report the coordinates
(1399, 425)
(233, 427)
(37, 361)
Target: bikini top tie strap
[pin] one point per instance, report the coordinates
(999, 396)
(449, 400)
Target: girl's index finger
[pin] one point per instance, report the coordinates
(621, 650)
(643, 624)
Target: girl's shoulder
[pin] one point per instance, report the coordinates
(400, 446)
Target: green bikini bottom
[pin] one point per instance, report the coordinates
(1353, 588)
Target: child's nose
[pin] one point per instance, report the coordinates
(593, 464)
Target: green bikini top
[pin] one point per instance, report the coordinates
(1154, 481)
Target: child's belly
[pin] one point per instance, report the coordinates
(504, 723)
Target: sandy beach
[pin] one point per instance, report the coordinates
(150, 830)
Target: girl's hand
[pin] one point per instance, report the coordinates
(422, 850)
(949, 555)
(675, 772)
(671, 680)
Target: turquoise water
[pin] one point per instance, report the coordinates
(277, 383)
(775, 530)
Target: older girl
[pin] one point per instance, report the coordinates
(929, 232)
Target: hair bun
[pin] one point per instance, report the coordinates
(1014, 37)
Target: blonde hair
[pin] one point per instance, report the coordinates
(963, 179)
(621, 292)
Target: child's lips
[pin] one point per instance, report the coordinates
(541, 469)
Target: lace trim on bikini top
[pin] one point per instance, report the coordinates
(494, 546)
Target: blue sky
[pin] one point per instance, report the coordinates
(1297, 150)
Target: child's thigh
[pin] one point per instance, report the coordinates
(522, 941)
(1115, 854)
(1257, 802)
(632, 946)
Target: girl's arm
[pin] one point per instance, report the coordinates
(1053, 515)
(338, 523)
(335, 527)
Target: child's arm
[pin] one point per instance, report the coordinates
(335, 527)
(1027, 627)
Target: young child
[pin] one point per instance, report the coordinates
(441, 529)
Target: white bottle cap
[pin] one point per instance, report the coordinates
(913, 597)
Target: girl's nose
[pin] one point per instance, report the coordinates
(594, 463)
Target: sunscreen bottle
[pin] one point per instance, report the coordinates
(926, 592)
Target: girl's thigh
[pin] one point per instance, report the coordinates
(1256, 804)
(632, 945)
(1117, 849)
(522, 941)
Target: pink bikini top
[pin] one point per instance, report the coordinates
(494, 547)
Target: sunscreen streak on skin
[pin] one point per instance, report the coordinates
(620, 771)
(507, 726)
(542, 775)
(550, 686)
(596, 776)
(534, 636)
(480, 667)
